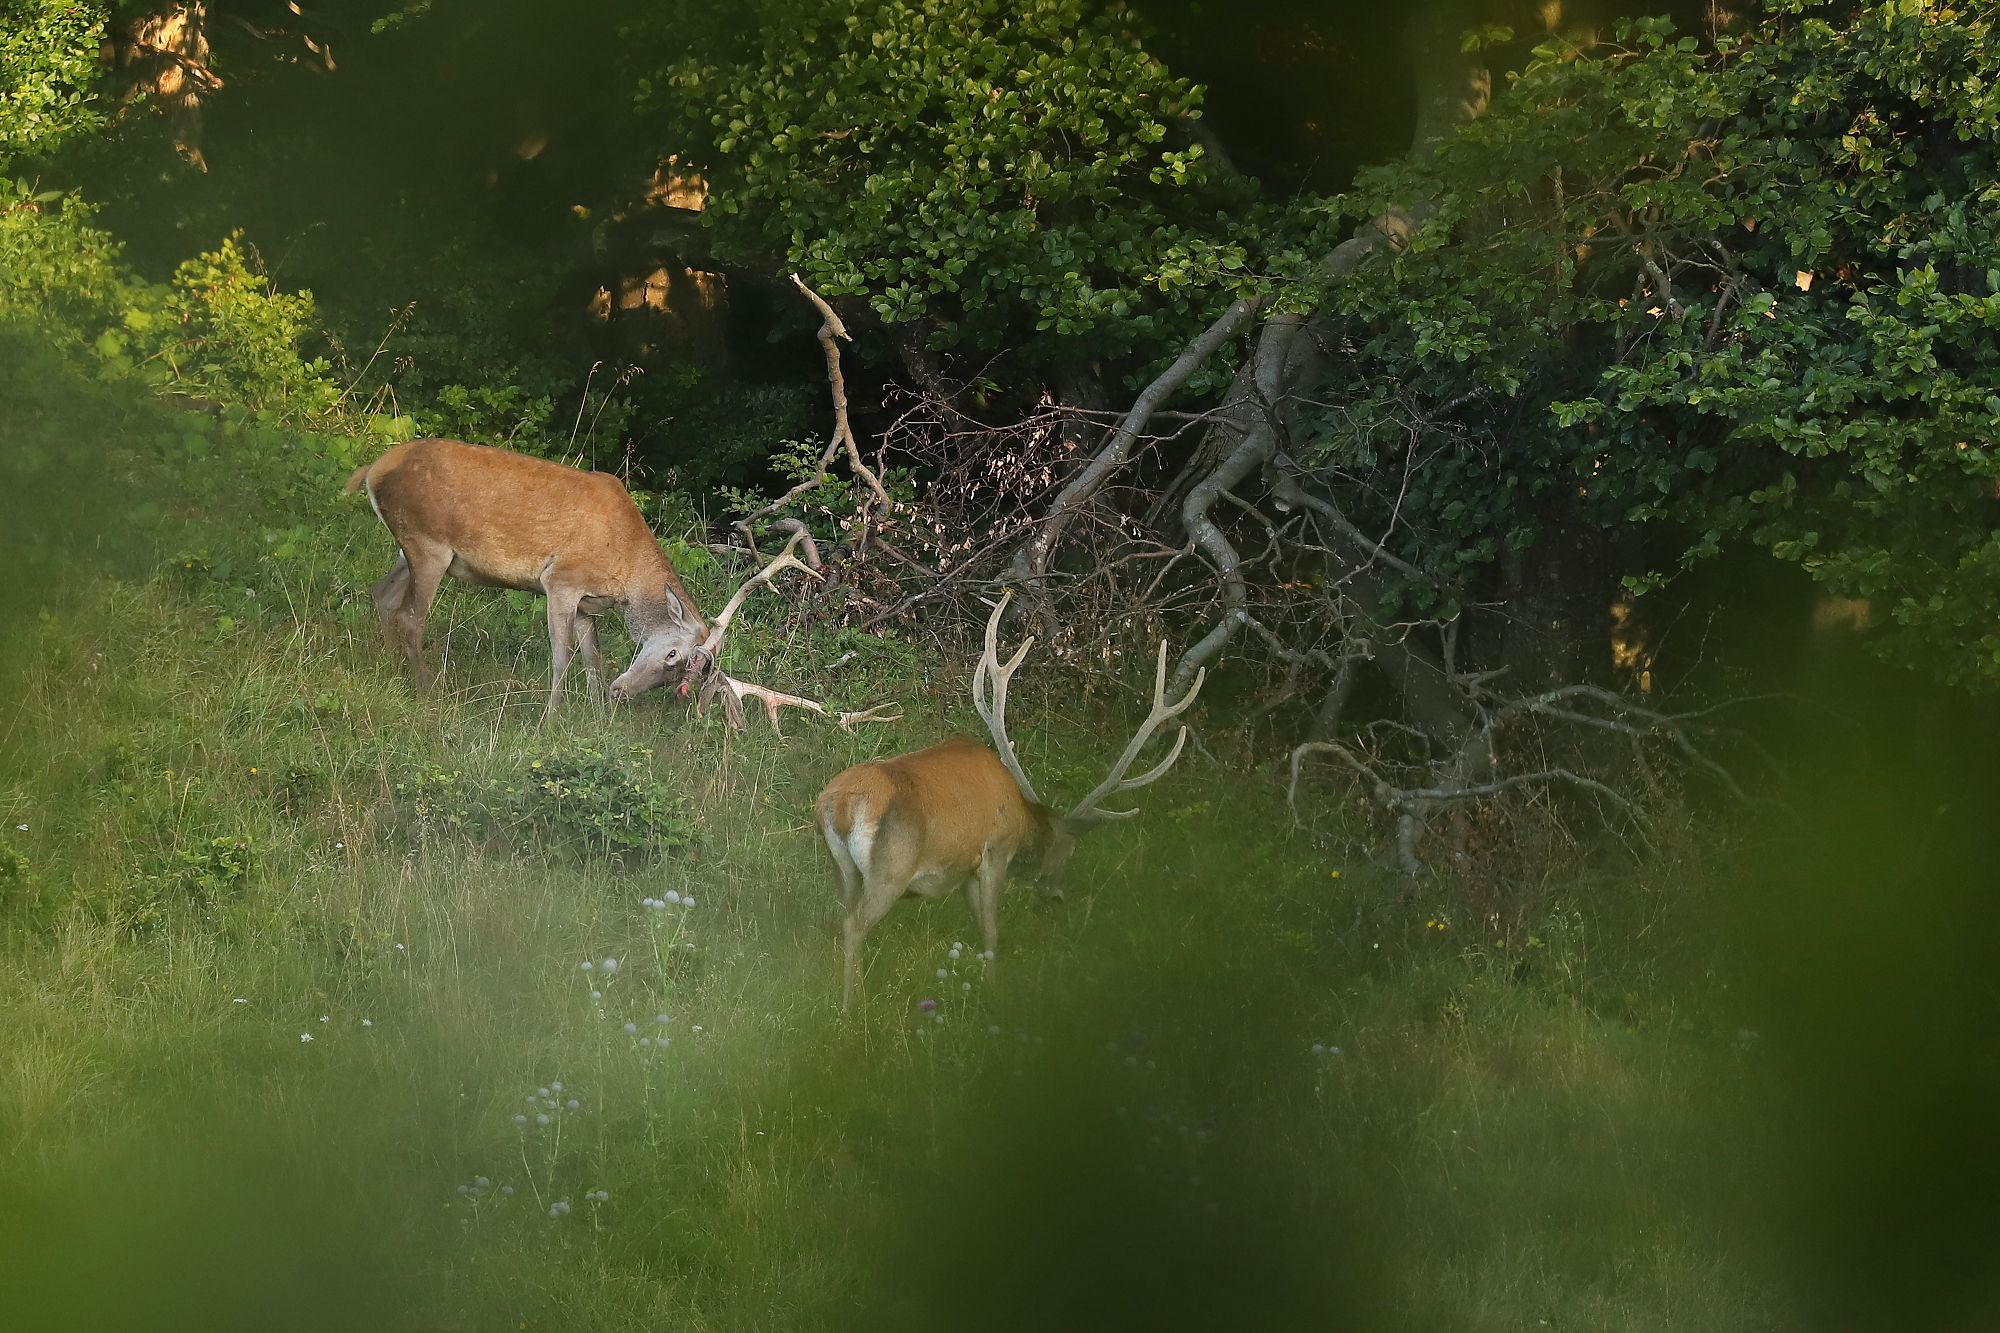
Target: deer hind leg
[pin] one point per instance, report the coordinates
(388, 595)
(585, 628)
(850, 900)
(403, 601)
(984, 893)
(884, 876)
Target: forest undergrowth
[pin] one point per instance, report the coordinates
(324, 1005)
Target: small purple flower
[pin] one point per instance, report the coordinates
(925, 1006)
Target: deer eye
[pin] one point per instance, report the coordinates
(673, 655)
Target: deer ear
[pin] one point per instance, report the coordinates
(682, 612)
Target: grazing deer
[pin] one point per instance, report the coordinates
(506, 520)
(957, 814)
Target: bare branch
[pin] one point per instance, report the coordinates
(1286, 489)
(830, 329)
(1032, 561)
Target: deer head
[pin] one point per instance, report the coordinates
(670, 649)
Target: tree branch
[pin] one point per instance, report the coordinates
(829, 329)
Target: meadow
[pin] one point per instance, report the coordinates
(325, 1006)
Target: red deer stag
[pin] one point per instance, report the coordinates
(957, 814)
(506, 520)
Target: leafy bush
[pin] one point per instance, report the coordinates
(49, 75)
(218, 332)
(57, 270)
(597, 803)
(1019, 175)
(504, 415)
(577, 801)
(198, 876)
(438, 802)
(18, 882)
(711, 433)
(228, 336)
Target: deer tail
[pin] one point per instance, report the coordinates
(360, 477)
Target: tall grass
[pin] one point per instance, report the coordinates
(279, 1028)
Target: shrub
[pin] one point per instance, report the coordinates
(18, 883)
(577, 801)
(199, 876)
(596, 803)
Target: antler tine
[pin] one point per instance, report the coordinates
(989, 694)
(773, 700)
(712, 645)
(879, 713)
(731, 691)
(1086, 809)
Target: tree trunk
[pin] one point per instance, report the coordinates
(1558, 595)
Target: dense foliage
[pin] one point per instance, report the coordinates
(50, 88)
(1019, 177)
(1747, 292)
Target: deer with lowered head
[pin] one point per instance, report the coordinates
(960, 814)
(507, 520)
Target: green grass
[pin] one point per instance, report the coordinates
(1550, 1118)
